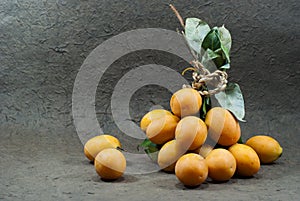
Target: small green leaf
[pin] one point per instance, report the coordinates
(240, 140)
(211, 54)
(150, 148)
(212, 40)
(147, 143)
(226, 53)
(225, 39)
(218, 40)
(152, 152)
(220, 61)
(207, 59)
(232, 99)
(195, 32)
(213, 43)
(225, 67)
(206, 106)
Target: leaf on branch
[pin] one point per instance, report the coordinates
(207, 59)
(225, 67)
(212, 40)
(150, 148)
(206, 106)
(195, 32)
(218, 41)
(147, 143)
(211, 54)
(232, 99)
(225, 39)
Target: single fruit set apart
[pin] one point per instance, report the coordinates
(109, 162)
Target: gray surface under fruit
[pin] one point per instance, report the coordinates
(44, 43)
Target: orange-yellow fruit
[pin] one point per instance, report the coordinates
(191, 169)
(191, 133)
(110, 164)
(168, 155)
(96, 144)
(223, 128)
(152, 115)
(266, 147)
(247, 160)
(161, 130)
(186, 102)
(221, 164)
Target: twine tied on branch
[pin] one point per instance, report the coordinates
(202, 78)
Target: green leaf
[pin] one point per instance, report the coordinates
(212, 40)
(207, 59)
(220, 61)
(218, 40)
(240, 140)
(206, 106)
(225, 67)
(232, 99)
(225, 39)
(147, 143)
(152, 153)
(213, 43)
(211, 54)
(195, 32)
(150, 148)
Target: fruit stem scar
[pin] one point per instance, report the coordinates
(121, 149)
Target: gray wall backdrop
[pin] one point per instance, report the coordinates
(44, 42)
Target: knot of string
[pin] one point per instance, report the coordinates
(203, 78)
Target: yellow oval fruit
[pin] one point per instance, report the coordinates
(168, 155)
(152, 115)
(96, 144)
(221, 164)
(191, 169)
(191, 133)
(266, 147)
(247, 160)
(110, 164)
(161, 130)
(186, 102)
(223, 128)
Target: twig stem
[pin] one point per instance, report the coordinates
(177, 15)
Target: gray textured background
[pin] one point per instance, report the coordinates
(44, 42)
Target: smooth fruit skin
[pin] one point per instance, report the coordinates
(191, 169)
(152, 115)
(266, 147)
(110, 164)
(96, 144)
(168, 156)
(191, 133)
(223, 128)
(246, 158)
(162, 130)
(221, 164)
(186, 102)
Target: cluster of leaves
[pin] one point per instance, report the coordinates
(212, 48)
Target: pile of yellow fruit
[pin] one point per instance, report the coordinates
(186, 147)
